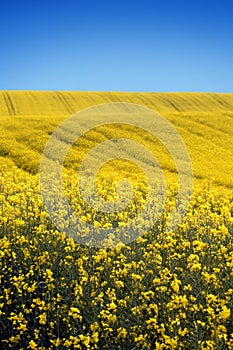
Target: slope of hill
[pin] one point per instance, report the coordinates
(39, 103)
(128, 280)
(204, 120)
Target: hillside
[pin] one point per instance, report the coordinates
(149, 269)
(204, 120)
(37, 103)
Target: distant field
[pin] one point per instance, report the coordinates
(204, 120)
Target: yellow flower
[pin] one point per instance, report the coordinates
(122, 332)
(85, 340)
(136, 277)
(43, 318)
(112, 306)
(95, 337)
(176, 285)
(119, 284)
(75, 313)
(56, 342)
(225, 313)
(94, 326)
(32, 345)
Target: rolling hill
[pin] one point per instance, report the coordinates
(204, 120)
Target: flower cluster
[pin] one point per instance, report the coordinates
(165, 290)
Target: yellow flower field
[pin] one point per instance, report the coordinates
(164, 290)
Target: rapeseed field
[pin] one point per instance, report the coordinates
(164, 289)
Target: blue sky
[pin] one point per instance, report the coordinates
(119, 45)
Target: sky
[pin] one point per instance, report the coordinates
(130, 45)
